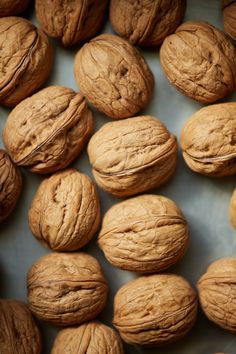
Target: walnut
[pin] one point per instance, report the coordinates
(208, 140)
(71, 21)
(10, 185)
(66, 288)
(133, 155)
(155, 310)
(144, 234)
(217, 291)
(146, 22)
(12, 7)
(92, 337)
(65, 212)
(18, 331)
(26, 59)
(114, 76)
(48, 130)
(200, 61)
(232, 209)
(229, 17)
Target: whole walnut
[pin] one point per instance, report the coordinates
(229, 17)
(92, 337)
(71, 21)
(208, 140)
(18, 331)
(146, 22)
(114, 76)
(12, 7)
(133, 155)
(26, 59)
(217, 291)
(144, 234)
(65, 212)
(200, 61)
(10, 185)
(232, 209)
(66, 288)
(155, 310)
(48, 130)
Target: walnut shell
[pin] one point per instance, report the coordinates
(114, 76)
(26, 59)
(18, 331)
(208, 140)
(65, 212)
(71, 21)
(155, 310)
(92, 337)
(229, 17)
(144, 234)
(232, 209)
(133, 155)
(10, 185)
(66, 288)
(217, 291)
(48, 130)
(200, 61)
(12, 7)
(146, 22)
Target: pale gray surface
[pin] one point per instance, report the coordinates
(204, 202)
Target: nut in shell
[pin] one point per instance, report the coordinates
(232, 209)
(229, 17)
(12, 7)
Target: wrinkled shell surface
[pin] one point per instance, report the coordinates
(144, 234)
(208, 140)
(12, 7)
(155, 310)
(92, 338)
(232, 209)
(200, 61)
(114, 76)
(65, 212)
(26, 59)
(66, 288)
(18, 331)
(132, 155)
(229, 17)
(146, 22)
(71, 21)
(10, 185)
(217, 293)
(48, 130)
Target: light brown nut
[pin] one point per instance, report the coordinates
(232, 209)
(48, 130)
(66, 288)
(200, 61)
(146, 22)
(208, 140)
(144, 234)
(18, 331)
(12, 7)
(217, 293)
(65, 212)
(133, 155)
(155, 310)
(114, 76)
(26, 59)
(229, 17)
(92, 337)
(71, 21)
(10, 185)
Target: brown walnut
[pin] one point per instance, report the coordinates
(200, 61)
(65, 212)
(18, 331)
(208, 140)
(133, 155)
(155, 310)
(66, 288)
(12, 7)
(114, 76)
(229, 17)
(232, 209)
(10, 185)
(92, 337)
(146, 22)
(48, 130)
(144, 234)
(26, 59)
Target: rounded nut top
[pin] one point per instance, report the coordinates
(200, 61)
(48, 130)
(208, 140)
(12, 7)
(229, 17)
(114, 76)
(155, 310)
(232, 209)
